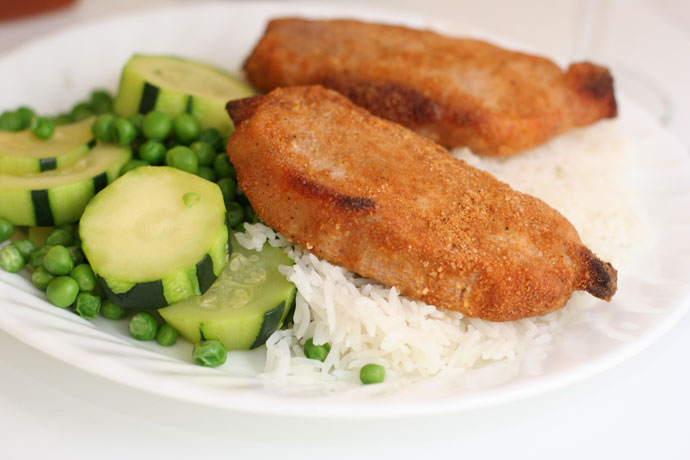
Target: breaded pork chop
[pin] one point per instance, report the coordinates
(389, 204)
(458, 92)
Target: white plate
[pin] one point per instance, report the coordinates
(54, 72)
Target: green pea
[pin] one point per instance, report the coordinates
(209, 353)
(60, 236)
(42, 127)
(81, 111)
(41, 277)
(26, 114)
(319, 352)
(102, 127)
(11, 259)
(229, 188)
(11, 121)
(77, 254)
(25, 246)
(132, 164)
(212, 137)
(166, 335)
(62, 291)
(87, 305)
(186, 127)
(235, 214)
(156, 125)
(223, 167)
(207, 173)
(137, 120)
(143, 326)
(152, 152)
(372, 373)
(6, 229)
(36, 256)
(124, 132)
(71, 228)
(111, 310)
(84, 276)
(183, 158)
(101, 101)
(204, 152)
(58, 260)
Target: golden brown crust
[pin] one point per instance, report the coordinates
(391, 101)
(382, 201)
(458, 92)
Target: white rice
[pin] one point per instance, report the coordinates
(583, 174)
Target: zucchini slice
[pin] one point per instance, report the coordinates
(246, 304)
(22, 152)
(59, 196)
(155, 236)
(173, 85)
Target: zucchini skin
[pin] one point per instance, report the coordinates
(141, 92)
(20, 153)
(43, 216)
(57, 205)
(43, 211)
(275, 318)
(152, 295)
(272, 321)
(149, 95)
(142, 295)
(239, 310)
(47, 164)
(147, 246)
(204, 273)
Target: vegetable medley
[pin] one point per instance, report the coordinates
(91, 196)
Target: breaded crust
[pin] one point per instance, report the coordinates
(389, 204)
(458, 92)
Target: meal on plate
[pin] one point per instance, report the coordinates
(391, 205)
(459, 92)
(353, 248)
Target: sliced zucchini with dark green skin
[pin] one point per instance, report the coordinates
(245, 305)
(22, 152)
(155, 236)
(59, 197)
(173, 85)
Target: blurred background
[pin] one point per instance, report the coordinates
(645, 43)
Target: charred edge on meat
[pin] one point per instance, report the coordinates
(602, 277)
(342, 201)
(243, 109)
(597, 83)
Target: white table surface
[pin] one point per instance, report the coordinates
(639, 409)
